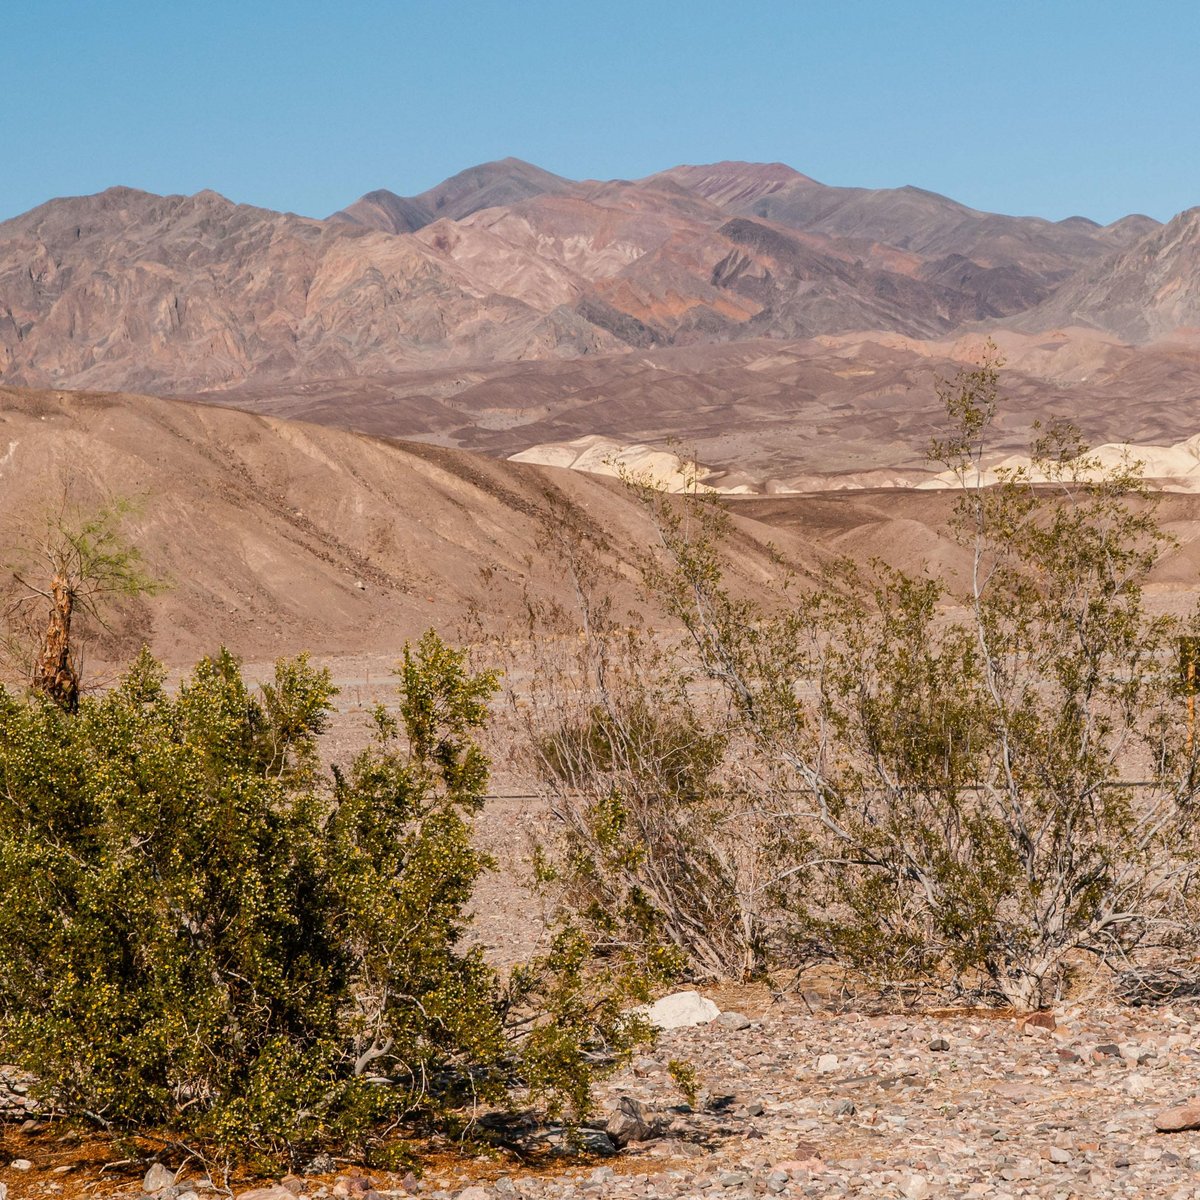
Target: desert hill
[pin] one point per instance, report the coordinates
(506, 262)
(805, 414)
(277, 536)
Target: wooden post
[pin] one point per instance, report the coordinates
(1189, 656)
(1191, 682)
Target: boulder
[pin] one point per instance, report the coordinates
(681, 1009)
(1178, 1119)
(732, 1020)
(158, 1178)
(630, 1122)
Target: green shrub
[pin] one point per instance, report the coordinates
(206, 935)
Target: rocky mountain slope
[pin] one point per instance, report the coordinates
(507, 262)
(1151, 290)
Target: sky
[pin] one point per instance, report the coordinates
(1046, 107)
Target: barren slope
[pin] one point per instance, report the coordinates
(812, 413)
(276, 536)
(1150, 290)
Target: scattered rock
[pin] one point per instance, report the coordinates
(915, 1187)
(274, 1192)
(681, 1009)
(1038, 1023)
(732, 1020)
(344, 1185)
(827, 1064)
(21, 1164)
(631, 1122)
(1178, 1119)
(939, 1045)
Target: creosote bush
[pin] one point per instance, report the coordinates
(979, 782)
(661, 850)
(207, 936)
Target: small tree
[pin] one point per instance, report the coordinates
(80, 565)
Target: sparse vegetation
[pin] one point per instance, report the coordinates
(977, 783)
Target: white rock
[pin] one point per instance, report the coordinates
(21, 1164)
(681, 1009)
(916, 1187)
(827, 1064)
(158, 1177)
(1137, 1085)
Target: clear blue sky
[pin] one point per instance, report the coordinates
(1051, 107)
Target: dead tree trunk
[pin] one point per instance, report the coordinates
(54, 672)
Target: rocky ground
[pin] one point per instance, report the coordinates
(799, 1100)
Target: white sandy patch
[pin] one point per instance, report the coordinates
(599, 455)
(1175, 468)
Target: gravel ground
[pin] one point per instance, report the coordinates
(818, 1103)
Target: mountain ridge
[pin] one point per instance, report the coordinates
(508, 262)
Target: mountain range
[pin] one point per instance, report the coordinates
(507, 262)
(788, 330)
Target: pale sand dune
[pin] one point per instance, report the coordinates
(599, 455)
(1172, 468)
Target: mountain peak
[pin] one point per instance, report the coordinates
(730, 183)
(485, 185)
